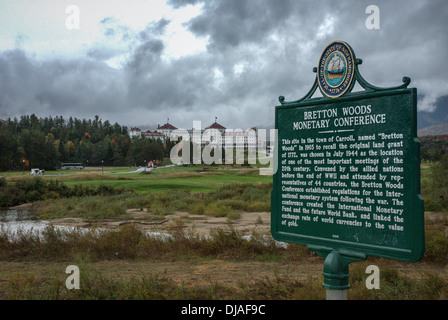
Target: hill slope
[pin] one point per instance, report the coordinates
(438, 129)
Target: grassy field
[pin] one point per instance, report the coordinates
(198, 189)
(191, 178)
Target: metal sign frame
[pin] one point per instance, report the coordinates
(398, 103)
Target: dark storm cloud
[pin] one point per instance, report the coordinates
(112, 28)
(231, 23)
(78, 87)
(254, 48)
(180, 85)
(81, 87)
(157, 28)
(410, 41)
(103, 52)
(176, 4)
(146, 57)
(256, 51)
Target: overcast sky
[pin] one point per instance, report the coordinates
(139, 62)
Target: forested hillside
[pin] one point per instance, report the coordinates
(434, 147)
(32, 142)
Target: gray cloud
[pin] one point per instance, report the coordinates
(103, 52)
(78, 87)
(157, 28)
(255, 52)
(146, 56)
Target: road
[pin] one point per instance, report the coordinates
(138, 170)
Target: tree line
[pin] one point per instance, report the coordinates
(46, 142)
(434, 148)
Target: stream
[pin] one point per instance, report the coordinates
(16, 221)
(21, 220)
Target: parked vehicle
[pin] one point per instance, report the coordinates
(36, 172)
(72, 166)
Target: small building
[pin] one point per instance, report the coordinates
(166, 129)
(213, 134)
(239, 139)
(154, 135)
(216, 126)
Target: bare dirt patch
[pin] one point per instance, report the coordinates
(200, 224)
(202, 271)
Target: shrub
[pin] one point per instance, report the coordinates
(435, 188)
(436, 246)
(198, 208)
(35, 189)
(217, 210)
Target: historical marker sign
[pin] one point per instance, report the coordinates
(348, 173)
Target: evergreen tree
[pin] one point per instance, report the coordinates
(45, 143)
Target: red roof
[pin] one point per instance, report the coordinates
(167, 126)
(153, 134)
(135, 129)
(215, 125)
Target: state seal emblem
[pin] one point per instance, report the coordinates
(336, 69)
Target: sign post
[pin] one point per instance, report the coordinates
(348, 183)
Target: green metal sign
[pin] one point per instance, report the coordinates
(348, 178)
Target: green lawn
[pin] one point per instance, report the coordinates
(214, 190)
(193, 178)
(425, 171)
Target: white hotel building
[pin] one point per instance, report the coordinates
(214, 134)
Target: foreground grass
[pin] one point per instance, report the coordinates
(131, 245)
(157, 286)
(128, 242)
